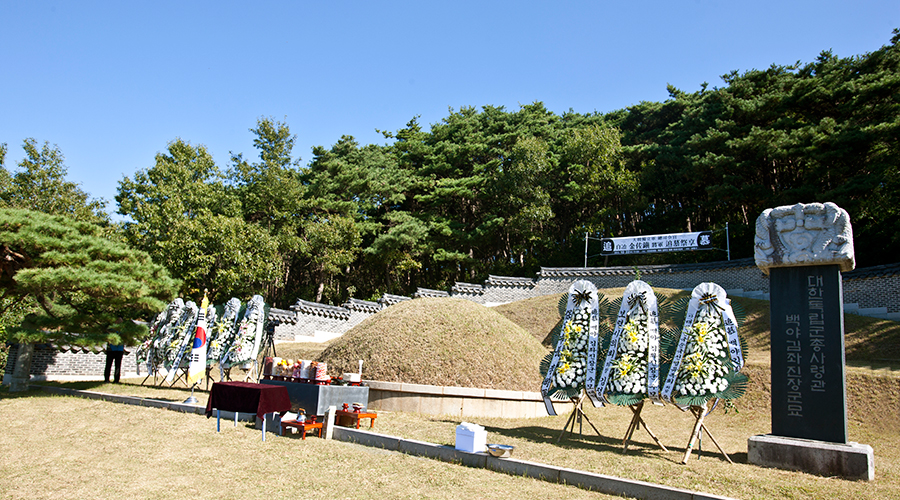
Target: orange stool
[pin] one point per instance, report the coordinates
(303, 426)
(353, 416)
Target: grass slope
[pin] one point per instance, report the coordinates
(872, 351)
(868, 341)
(537, 315)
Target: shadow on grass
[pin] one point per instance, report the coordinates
(84, 385)
(589, 440)
(676, 455)
(891, 366)
(159, 393)
(5, 394)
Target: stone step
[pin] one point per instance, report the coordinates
(886, 315)
(872, 311)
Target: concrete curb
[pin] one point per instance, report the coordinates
(587, 480)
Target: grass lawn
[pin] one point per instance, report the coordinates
(64, 447)
(93, 449)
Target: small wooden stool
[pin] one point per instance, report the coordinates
(303, 426)
(354, 416)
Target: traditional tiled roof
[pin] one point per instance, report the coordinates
(467, 288)
(324, 310)
(282, 316)
(362, 305)
(389, 300)
(509, 281)
(557, 272)
(872, 272)
(427, 292)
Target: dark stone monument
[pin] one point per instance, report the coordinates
(808, 391)
(803, 248)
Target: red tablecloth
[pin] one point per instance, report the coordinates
(247, 397)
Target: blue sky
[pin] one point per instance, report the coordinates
(112, 83)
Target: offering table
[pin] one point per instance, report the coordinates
(247, 397)
(316, 399)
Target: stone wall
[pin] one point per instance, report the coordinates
(740, 275)
(731, 275)
(866, 291)
(870, 291)
(310, 321)
(68, 362)
(460, 402)
(874, 290)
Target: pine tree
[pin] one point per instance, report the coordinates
(80, 288)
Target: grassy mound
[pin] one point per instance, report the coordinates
(440, 341)
(537, 315)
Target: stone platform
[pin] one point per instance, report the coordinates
(849, 461)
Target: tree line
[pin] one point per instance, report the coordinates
(493, 191)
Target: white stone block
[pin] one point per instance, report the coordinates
(471, 438)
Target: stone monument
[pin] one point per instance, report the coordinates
(804, 248)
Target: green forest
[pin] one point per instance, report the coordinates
(505, 192)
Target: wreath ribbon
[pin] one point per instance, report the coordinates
(593, 349)
(251, 324)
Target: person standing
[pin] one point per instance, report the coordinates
(114, 353)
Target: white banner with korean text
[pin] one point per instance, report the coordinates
(673, 242)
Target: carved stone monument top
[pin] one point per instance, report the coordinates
(805, 234)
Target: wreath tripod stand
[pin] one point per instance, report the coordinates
(637, 421)
(152, 368)
(268, 350)
(578, 415)
(700, 413)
